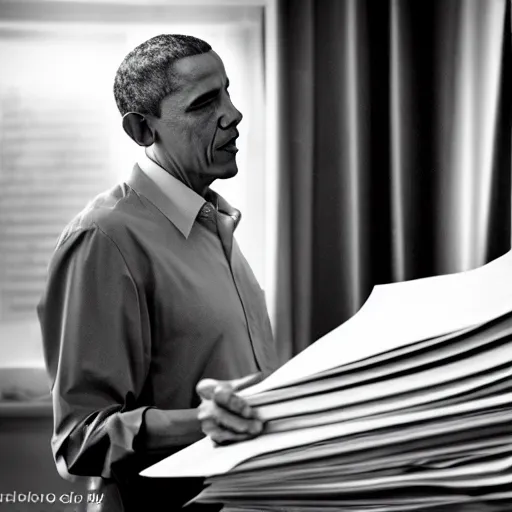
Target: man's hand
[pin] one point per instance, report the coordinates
(225, 416)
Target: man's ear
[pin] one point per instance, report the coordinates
(138, 128)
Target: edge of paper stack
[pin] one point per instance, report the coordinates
(407, 405)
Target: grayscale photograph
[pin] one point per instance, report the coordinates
(255, 255)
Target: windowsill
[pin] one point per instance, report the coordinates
(26, 409)
(24, 392)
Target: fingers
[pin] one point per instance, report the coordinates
(206, 387)
(224, 415)
(213, 417)
(229, 421)
(224, 396)
(223, 427)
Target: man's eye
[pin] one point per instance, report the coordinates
(203, 102)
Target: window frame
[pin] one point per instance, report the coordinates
(26, 11)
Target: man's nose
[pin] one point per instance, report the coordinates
(231, 115)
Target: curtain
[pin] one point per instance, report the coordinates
(395, 145)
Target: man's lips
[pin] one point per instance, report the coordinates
(229, 145)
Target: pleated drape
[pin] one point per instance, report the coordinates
(395, 150)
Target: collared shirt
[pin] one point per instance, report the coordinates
(143, 300)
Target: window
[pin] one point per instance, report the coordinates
(61, 140)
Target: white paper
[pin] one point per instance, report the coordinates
(426, 380)
(405, 434)
(362, 409)
(402, 313)
(439, 352)
(204, 459)
(467, 475)
(426, 459)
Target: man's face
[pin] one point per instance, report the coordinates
(197, 127)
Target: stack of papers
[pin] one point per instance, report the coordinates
(406, 406)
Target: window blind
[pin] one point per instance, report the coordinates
(51, 164)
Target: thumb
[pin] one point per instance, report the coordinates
(249, 380)
(206, 387)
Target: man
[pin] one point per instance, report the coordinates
(151, 317)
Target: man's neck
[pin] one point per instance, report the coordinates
(194, 181)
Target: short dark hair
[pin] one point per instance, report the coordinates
(144, 77)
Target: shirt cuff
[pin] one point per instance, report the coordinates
(124, 430)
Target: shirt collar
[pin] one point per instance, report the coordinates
(179, 203)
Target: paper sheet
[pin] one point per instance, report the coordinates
(387, 370)
(431, 381)
(361, 410)
(496, 471)
(440, 456)
(205, 459)
(379, 367)
(402, 313)
(410, 437)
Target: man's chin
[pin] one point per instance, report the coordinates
(227, 172)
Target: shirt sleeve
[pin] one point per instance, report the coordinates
(96, 341)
